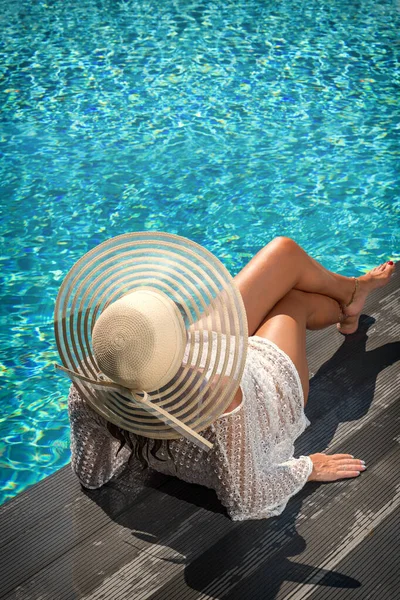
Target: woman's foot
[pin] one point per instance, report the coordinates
(376, 278)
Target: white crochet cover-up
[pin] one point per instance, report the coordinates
(251, 465)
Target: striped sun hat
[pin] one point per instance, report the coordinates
(152, 331)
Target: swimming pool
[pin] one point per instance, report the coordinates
(226, 122)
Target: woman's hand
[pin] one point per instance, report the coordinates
(331, 467)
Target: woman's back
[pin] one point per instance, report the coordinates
(251, 465)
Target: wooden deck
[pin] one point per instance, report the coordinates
(149, 536)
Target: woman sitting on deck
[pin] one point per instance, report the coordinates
(195, 373)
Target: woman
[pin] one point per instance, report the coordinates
(250, 464)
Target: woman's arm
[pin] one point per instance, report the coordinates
(266, 491)
(94, 450)
(254, 484)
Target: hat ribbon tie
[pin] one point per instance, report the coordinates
(143, 402)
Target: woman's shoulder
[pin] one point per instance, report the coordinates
(79, 409)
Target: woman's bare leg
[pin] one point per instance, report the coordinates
(286, 325)
(283, 265)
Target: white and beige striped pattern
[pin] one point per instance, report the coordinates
(215, 323)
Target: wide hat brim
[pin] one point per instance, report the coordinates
(215, 321)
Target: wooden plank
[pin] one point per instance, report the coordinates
(375, 555)
(53, 527)
(113, 545)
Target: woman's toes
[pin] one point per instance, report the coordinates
(378, 275)
(389, 268)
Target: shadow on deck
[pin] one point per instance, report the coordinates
(149, 536)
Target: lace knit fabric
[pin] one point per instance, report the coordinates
(251, 466)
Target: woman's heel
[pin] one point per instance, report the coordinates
(349, 325)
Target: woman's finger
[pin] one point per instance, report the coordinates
(355, 462)
(340, 456)
(350, 467)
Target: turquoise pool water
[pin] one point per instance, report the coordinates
(226, 122)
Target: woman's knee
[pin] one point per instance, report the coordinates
(283, 244)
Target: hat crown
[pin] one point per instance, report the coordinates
(139, 340)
